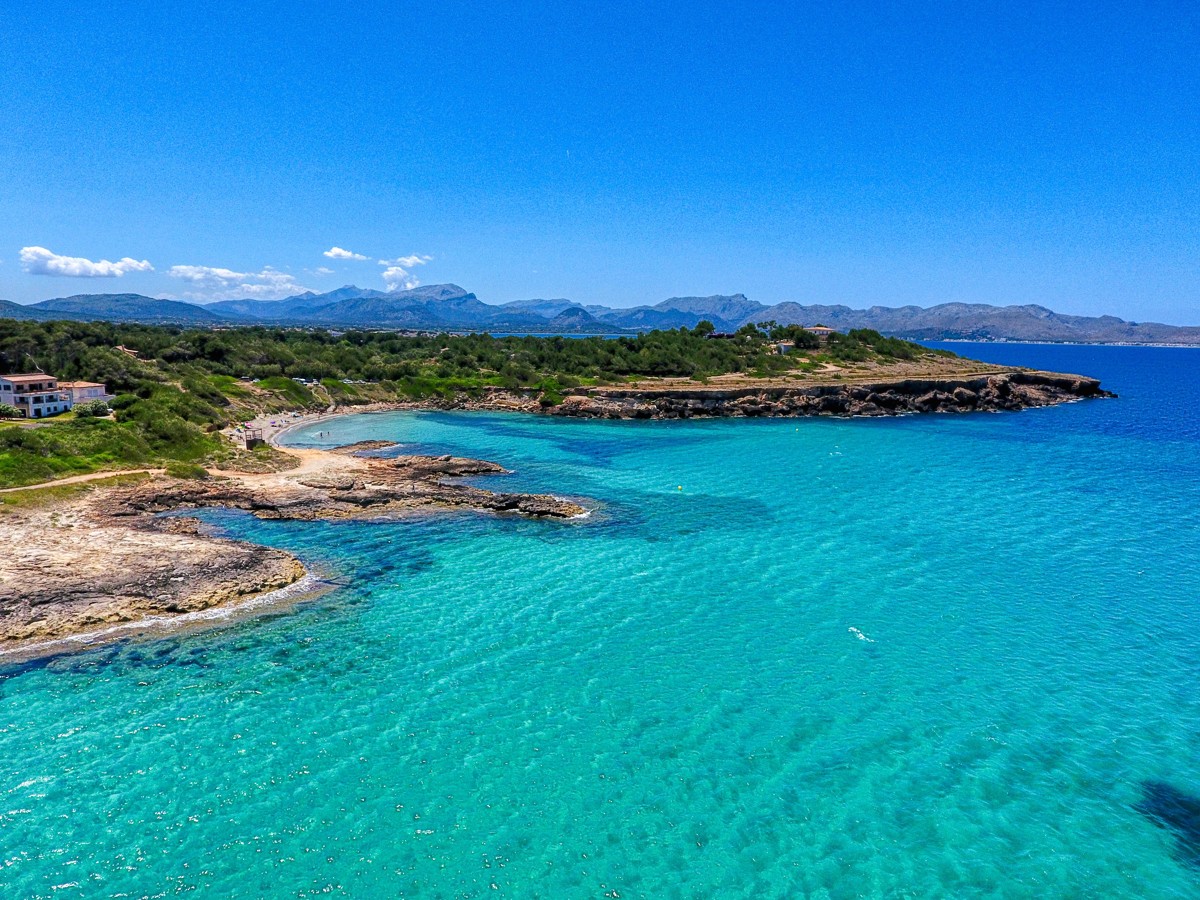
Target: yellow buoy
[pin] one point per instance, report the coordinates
(680, 488)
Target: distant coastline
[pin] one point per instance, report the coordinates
(1195, 346)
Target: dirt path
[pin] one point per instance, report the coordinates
(312, 462)
(77, 479)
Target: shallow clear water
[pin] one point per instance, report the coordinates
(930, 656)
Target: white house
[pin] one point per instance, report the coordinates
(85, 391)
(35, 396)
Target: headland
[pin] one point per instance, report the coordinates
(1006, 391)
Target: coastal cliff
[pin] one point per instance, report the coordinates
(990, 392)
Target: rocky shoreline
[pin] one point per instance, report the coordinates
(98, 565)
(992, 392)
(108, 558)
(362, 487)
(80, 573)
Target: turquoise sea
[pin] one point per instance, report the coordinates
(944, 656)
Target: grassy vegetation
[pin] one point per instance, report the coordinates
(229, 387)
(32, 455)
(186, 470)
(189, 383)
(292, 391)
(52, 493)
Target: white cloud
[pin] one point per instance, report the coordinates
(206, 275)
(321, 270)
(398, 278)
(396, 275)
(406, 261)
(40, 261)
(339, 253)
(216, 283)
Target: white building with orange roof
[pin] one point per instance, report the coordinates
(35, 395)
(84, 391)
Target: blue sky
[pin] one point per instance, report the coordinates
(611, 153)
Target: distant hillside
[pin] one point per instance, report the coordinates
(545, 308)
(123, 308)
(429, 307)
(733, 308)
(726, 312)
(291, 309)
(448, 307)
(576, 319)
(436, 306)
(10, 310)
(981, 322)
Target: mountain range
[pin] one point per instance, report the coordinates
(450, 307)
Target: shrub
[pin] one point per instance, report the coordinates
(190, 471)
(291, 391)
(8, 412)
(551, 392)
(205, 390)
(90, 408)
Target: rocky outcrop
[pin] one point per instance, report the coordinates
(425, 467)
(363, 447)
(371, 488)
(1007, 391)
(78, 574)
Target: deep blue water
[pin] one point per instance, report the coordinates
(1158, 383)
(939, 656)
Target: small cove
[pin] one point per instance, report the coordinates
(929, 656)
